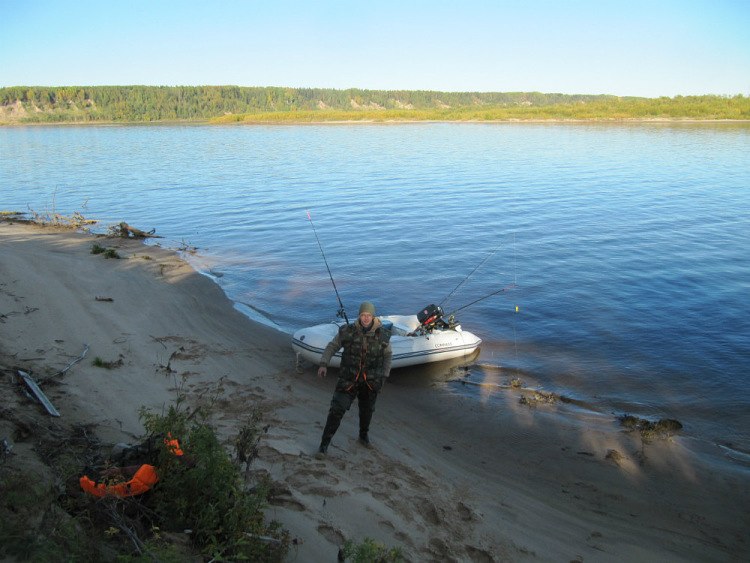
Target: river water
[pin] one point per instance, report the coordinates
(624, 248)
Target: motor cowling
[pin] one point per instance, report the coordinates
(430, 316)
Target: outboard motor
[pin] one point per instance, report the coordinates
(431, 317)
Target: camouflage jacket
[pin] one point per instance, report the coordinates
(367, 353)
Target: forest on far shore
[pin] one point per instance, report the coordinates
(231, 104)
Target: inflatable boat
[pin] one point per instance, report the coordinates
(415, 339)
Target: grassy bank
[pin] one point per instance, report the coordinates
(692, 108)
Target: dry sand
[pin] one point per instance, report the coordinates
(450, 479)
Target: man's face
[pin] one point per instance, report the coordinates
(365, 319)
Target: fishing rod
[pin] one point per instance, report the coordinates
(501, 290)
(470, 274)
(341, 313)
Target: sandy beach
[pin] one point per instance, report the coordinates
(449, 479)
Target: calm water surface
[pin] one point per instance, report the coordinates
(629, 244)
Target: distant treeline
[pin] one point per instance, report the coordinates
(75, 104)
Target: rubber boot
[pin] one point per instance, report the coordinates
(365, 415)
(332, 424)
(364, 440)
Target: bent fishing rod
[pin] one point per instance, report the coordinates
(341, 313)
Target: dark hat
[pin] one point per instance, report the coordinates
(367, 307)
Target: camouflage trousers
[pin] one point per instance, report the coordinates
(342, 400)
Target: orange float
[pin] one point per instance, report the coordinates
(143, 479)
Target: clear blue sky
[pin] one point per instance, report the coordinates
(624, 47)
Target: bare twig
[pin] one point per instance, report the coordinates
(119, 522)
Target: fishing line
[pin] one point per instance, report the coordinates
(515, 280)
(501, 290)
(467, 277)
(341, 312)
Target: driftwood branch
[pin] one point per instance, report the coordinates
(126, 231)
(66, 368)
(120, 521)
(74, 362)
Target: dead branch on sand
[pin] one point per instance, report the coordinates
(126, 231)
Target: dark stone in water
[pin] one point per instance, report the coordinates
(648, 429)
(668, 425)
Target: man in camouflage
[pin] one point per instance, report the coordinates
(365, 365)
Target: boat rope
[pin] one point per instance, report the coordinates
(341, 312)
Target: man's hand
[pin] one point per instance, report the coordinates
(322, 370)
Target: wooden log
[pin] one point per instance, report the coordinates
(126, 231)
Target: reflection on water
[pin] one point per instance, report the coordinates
(427, 375)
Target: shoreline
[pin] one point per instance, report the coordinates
(449, 479)
(210, 122)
